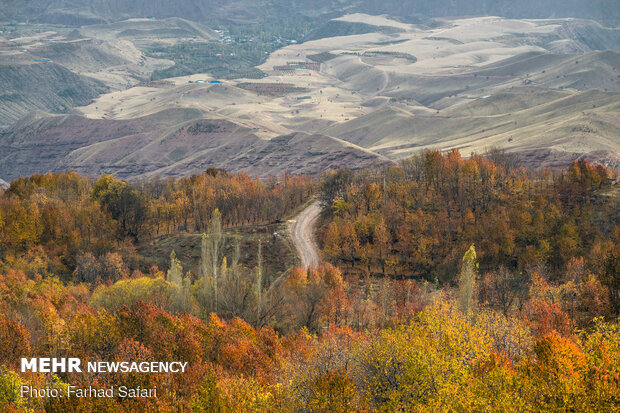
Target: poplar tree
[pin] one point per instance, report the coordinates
(259, 282)
(467, 280)
(213, 250)
(182, 296)
(205, 274)
(175, 273)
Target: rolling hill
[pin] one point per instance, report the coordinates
(117, 63)
(592, 70)
(377, 91)
(42, 86)
(173, 142)
(80, 12)
(522, 120)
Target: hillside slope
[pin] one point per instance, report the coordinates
(79, 12)
(520, 120)
(173, 142)
(56, 89)
(592, 70)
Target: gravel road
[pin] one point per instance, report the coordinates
(302, 231)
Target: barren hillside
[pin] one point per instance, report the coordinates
(173, 142)
(42, 86)
(367, 90)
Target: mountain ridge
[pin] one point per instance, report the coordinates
(174, 142)
(81, 12)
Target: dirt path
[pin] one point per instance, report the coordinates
(386, 77)
(386, 82)
(302, 232)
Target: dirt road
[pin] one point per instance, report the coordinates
(386, 82)
(302, 232)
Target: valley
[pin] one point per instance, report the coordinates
(546, 90)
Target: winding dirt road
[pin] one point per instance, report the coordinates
(302, 232)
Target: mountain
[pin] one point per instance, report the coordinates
(173, 142)
(44, 86)
(334, 28)
(367, 90)
(82, 12)
(567, 124)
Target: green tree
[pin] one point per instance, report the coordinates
(209, 397)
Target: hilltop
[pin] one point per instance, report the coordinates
(81, 12)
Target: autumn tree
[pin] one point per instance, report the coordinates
(182, 296)
(259, 281)
(309, 290)
(334, 186)
(467, 280)
(211, 253)
(125, 204)
(504, 289)
(10, 391)
(611, 279)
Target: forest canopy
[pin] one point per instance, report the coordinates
(447, 284)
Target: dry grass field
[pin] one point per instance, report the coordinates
(471, 84)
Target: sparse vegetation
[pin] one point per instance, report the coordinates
(235, 55)
(334, 28)
(272, 89)
(322, 57)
